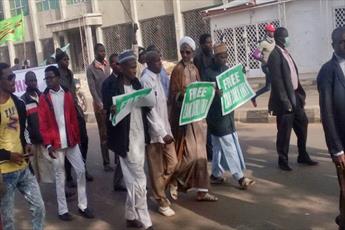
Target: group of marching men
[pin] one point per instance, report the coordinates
(43, 134)
(47, 129)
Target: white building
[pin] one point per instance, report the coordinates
(309, 22)
(82, 23)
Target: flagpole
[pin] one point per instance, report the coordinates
(24, 37)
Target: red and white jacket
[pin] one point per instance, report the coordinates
(48, 125)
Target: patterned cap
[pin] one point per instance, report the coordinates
(126, 56)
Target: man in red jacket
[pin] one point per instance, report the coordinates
(60, 133)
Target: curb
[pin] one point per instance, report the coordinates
(261, 115)
(257, 115)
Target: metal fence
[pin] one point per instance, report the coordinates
(160, 31)
(241, 42)
(117, 38)
(195, 25)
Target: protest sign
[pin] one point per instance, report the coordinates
(235, 88)
(126, 102)
(196, 102)
(20, 79)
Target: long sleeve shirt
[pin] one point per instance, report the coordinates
(158, 120)
(96, 73)
(58, 105)
(293, 70)
(266, 46)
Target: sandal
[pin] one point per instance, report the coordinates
(245, 183)
(207, 197)
(173, 192)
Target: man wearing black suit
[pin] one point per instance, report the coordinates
(331, 86)
(287, 101)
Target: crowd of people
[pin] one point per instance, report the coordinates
(43, 135)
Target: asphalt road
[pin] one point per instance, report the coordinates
(306, 198)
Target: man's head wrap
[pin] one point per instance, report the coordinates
(189, 41)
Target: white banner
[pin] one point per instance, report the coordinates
(20, 79)
(126, 102)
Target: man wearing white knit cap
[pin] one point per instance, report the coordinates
(127, 139)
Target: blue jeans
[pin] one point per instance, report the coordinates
(227, 155)
(26, 183)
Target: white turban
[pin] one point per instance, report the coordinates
(189, 41)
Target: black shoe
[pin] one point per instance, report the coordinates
(337, 220)
(150, 228)
(306, 161)
(120, 188)
(66, 217)
(87, 213)
(216, 180)
(134, 224)
(285, 167)
(108, 168)
(88, 176)
(71, 184)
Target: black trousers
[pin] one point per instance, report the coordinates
(84, 145)
(118, 176)
(341, 180)
(209, 146)
(298, 121)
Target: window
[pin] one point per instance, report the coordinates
(339, 17)
(19, 6)
(71, 2)
(1, 11)
(43, 5)
(241, 41)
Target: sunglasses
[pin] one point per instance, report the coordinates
(185, 52)
(48, 78)
(10, 77)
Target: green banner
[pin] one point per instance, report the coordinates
(12, 29)
(235, 88)
(126, 102)
(197, 101)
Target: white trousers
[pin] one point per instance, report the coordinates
(227, 155)
(135, 180)
(74, 156)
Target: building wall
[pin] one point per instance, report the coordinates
(77, 10)
(309, 42)
(49, 17)
(154, 8)
(245, 17)
(113, 12)
(187, 5)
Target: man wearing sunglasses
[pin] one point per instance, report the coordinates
(14, 152)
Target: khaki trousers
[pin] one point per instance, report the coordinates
(102, 129)
(162, 162)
